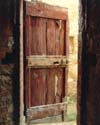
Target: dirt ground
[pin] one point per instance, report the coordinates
(66, 123)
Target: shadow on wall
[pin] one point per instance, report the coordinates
(9, 46)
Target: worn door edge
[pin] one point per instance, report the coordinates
(22, 117)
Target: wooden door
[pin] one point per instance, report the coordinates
(46, 50)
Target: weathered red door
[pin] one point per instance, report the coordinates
(46, 50)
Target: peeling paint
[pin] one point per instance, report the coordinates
(56, 84)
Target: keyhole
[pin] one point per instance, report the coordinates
(56, 62)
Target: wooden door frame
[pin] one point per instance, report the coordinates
(22, 117)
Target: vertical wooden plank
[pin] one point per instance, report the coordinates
(28, 37)
(38, 44)
(38, 47)
(59, 39)
(67, 54)
(55, 85)
(57, 36)
(28, 33)
(62, 52)
(50, 37)
(38, 87)
(28, 87)
(59, 95)
(59, 49)
(66, 32)
(50, 51)
(62, 40)
(50, 98)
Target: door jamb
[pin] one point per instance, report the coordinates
(22, 117)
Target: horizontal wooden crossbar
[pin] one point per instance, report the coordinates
(43, 111)
(47, 61)
(39, 9)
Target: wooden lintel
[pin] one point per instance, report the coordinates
(43, 111)
(39, 9)
(47, 61)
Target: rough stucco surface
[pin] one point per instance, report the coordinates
(8, 63)
(6, 99)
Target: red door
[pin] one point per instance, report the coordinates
(46, 51)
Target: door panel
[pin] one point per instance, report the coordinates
(38, 43)
(46, 62)
(50, 37)
(38, 85)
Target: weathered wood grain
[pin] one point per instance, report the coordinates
(28, 87)
(39, 112)
(62, 38)
(28, 38)
(38, 76)
(38, 38)
(52, 119)
(60, 85)
(66, 44)
(39, 9)
(46, 61)
(50, 51)
(38, 87)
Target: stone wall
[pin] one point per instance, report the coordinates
(9, 77)
(6, 99)
(9, 105)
